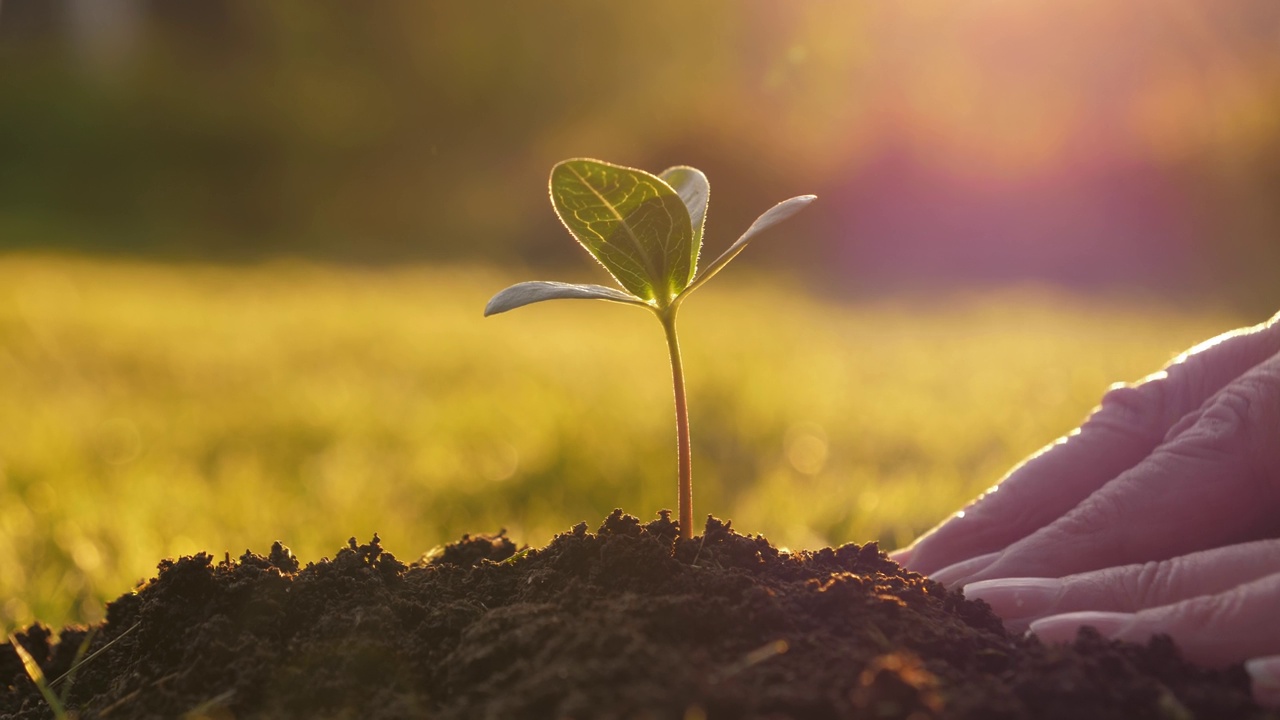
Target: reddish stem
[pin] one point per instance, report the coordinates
(682, 426)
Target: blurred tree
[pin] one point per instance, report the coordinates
(1070, 141)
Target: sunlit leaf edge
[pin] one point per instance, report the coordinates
(526, 293)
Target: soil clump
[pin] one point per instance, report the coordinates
(629, 622)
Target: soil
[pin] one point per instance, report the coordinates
(628, 622)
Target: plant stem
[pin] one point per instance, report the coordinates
(668, 318)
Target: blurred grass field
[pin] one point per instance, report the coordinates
(149, 410)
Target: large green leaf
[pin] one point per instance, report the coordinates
(695, 191)
(633, 222)
(524, 293)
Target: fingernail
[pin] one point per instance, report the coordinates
(957, 573)
(1013, 598)
(1265, 674)
(1063, 628)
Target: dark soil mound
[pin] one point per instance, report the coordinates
(629, 622)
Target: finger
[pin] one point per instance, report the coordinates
(1130, 588)
(1131, 421)
(1216, 484)
(1265, 674)
(1213, 630)
(1031, 496)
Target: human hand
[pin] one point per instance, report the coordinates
(1160, 514)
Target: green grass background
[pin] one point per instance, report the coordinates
(150, 410)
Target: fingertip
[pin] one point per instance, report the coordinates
(958, 573)
(1264, 676)
(1017, 601)
(1064, 627)
(902, 556)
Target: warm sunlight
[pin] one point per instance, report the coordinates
(272, 446)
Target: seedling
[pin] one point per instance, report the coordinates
(646, 230)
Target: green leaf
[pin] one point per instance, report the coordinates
(694, 191)
(633, 222)
(525, 293)
(773, 216)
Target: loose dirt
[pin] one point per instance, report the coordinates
(627, 622)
